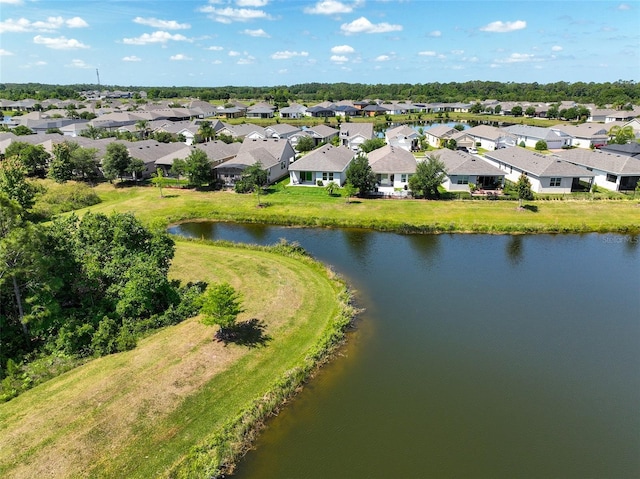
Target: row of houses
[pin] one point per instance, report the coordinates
(345, 108)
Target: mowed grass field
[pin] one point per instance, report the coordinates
(137, 414)
(314, 207)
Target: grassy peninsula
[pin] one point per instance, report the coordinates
(181, 404)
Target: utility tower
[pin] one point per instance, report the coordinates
(98, 75)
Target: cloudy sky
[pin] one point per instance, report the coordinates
(284, 42)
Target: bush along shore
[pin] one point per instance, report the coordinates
(217, 455)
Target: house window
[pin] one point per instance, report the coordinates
(403, 178)
(282, 165)
(305, 176)
(555, 181)
(612, 178)
(327, 176)
(463, 180)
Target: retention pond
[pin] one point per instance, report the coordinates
(477, 356)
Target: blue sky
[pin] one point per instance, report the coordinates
(284, 42)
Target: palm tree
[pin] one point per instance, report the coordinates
(621, 135)
(142, 126)
(206, 131)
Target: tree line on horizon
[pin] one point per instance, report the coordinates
(618, 94)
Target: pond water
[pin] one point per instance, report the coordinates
(476, 357)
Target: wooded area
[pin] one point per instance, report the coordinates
(619, 93)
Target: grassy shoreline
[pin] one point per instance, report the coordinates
(180, 404)
(313, 207)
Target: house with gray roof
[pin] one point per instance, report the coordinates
(530, 135)
(393, 167)
(322, 133)
(547, 173)
(612, 171)
(402, 136)
(326, 164)
(294, 110)
(585, 135)
(491, 138)
(243, 131)
(217, 151)
(463, 169)
(261, 110)
(281, 131)
(352, 135)
(436, 135)
(274, 155)
(318, 111)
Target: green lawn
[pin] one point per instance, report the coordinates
(312, 206)
(139, 414)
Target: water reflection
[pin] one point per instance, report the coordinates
(514, 249)
(359, 245)
(426, 247)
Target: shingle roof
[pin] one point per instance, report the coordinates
(533, 132)
(603, 161)
(402, 130)
(537, 164)
(461, 163)
(389, 159)
(440, 131)
(325, 158)
(352, 129)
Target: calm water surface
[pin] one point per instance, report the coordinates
(477, 357)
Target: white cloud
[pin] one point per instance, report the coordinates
(131, 58)
(330, 7)
(233, 53)
(40, 63)
(248, 60)
(504, 27)
(75, 63)
(251, 3)
(285, 55)
(215, 48)
(339, 59)
(256, 33)
(5, 53)
(229, 15)
(556, 48)
(76, 22)
(283, 71)
(50, 25)
(216, 62)
(179, 57)
(11, 2)
(427, 53)
(457, 52)
(60, 43)
(165, 24)
(519, 58)
(383, 58)
(362, 25)
(435, 33)
(624, 6)
(155, 37)
(342, 49)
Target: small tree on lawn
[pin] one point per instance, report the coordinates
(523, 187)
(350, 190)
(305, 144)
(159, 180)
(331, 188)
(221, 305)
(429, 174)
(360, 175)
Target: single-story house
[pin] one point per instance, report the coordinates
(375, 110)
(282, 131)
(217, 152)
(612, 171)
(294, 110)
(320, 112)
(243, 131)
(436, 135)
(261, 110)
(530, 135)
(327, 164)
(630, 149)
(585, 135)
(547, 173)
(403, 137)
(463, 169)
(491, 138)
(322, 133)
(274, 155)
(393, 167)
(352, 135)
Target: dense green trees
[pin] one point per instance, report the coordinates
(368, 146)
(429, 175)
(116, 161)
(83, 286)
(221, 305)
(523, 189)
(14, 184)
(621, 135)
(33, 157)
(304, 144)
(196, 168)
